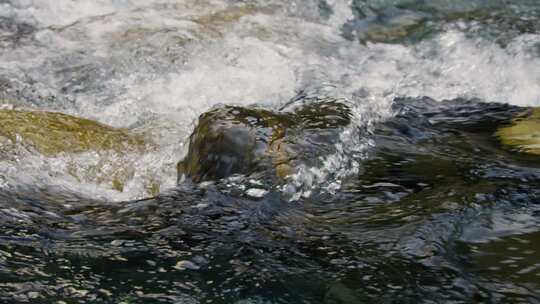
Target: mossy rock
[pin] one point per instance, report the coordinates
(396, 29)
(213, 23)
(230, 139)
(228, 15)
(74, 140)
(52, 133)
(523, 134)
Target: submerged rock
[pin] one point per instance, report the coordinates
(51, 133)
(523, 134)
(389, 26)
(338, 293)
(226, 16)
(215, 24)
(238, 140)
(413, 21)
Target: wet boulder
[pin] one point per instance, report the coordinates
(242, 140)
(52, 133)
(523, 134)
(87, 151)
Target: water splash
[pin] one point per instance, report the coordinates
(154, 66)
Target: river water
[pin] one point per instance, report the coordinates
(440, 213)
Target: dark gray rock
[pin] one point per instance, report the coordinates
(240, 140)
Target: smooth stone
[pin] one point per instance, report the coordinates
(523, 134)
(52, 133)
(231, 140)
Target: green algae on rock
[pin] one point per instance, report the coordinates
(92, 152)
(213, 23)
(52, 133)
(523, 134)
(232, 139)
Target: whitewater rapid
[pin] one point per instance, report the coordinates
(154, 66)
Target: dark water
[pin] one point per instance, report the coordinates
(441, 212)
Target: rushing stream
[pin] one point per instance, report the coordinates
(371, 151)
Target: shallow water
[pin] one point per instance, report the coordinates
(418, 203)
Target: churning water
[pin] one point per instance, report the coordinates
(409, 226)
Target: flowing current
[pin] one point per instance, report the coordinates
(154, 66)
